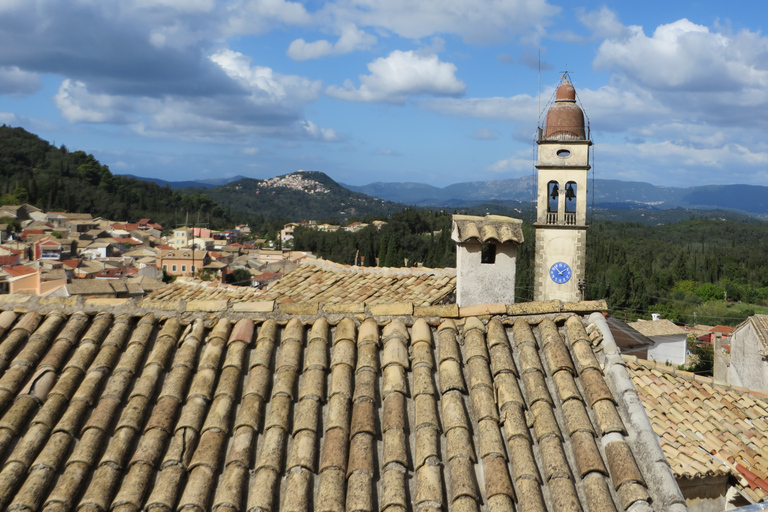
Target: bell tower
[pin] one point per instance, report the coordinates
(561, 208)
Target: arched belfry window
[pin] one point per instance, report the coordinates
(553, 201)
(571, 197)
(553, 195)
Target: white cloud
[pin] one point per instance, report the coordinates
(684, 56)
(314, 132)
(265, 85)
(603, 23)
(351, 39)
(482, 21)
(515, 164)
(78, 105)
(401, 75)
(249, 151)
(267, 103)
(16, 82)
(258, 16)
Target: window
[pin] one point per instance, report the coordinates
(165, 267)
(193, 268)
(183, 268)
(488, 253)
(173, 268)
(553, 193)
(570, 197)
(563, 153)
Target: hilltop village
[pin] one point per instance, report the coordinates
(136, 375)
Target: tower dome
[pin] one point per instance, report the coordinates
(565, 119)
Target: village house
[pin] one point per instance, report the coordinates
(186, 262)
(669, 340)
(181, 238)
(743, 359)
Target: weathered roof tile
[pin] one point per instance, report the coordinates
(198, 412)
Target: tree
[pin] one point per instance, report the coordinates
(240, 277)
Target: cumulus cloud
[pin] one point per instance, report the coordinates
(265, 85)
(78, 105)
(16, 82)
(402, 75)
(268, 103)
(351, 39)
(684, 56)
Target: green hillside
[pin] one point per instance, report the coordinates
(34, 171)
(298, 196)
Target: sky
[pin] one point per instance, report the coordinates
(428, 91)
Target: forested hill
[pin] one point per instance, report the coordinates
(34, 171)
(299, 195)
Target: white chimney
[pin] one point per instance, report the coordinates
(655, 316)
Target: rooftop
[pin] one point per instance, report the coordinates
(320, 281)
(706, 428)
(108, 405)
(661, 327)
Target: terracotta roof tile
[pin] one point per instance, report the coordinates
(713, 439)
(326, 282)
(205, 412)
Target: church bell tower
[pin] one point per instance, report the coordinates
(561, 208)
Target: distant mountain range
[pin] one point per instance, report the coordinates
(216, 182)
(608, 194)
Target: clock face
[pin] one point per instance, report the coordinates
(560, 272)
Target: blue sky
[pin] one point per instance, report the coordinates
(432, 91)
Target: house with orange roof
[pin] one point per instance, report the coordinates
(25, 278)
(183, 262)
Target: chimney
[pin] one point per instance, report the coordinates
(655, 316)
(722, 359)
(486, 256)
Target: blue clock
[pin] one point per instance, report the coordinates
(560, 272)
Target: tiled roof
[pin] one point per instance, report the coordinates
(661, 327)
(491, 228)
(19, 270)
(326, 282)
(8, 260)
(706, 428)
(127, 410)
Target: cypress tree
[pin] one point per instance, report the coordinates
(383, 251)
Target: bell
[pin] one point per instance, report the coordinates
(569, 193)
(555, 192)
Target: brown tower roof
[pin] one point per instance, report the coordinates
(565, 119)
